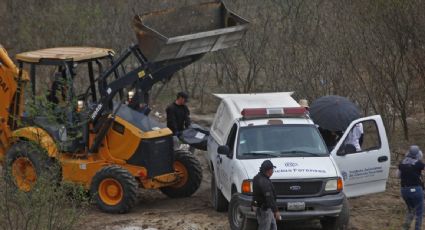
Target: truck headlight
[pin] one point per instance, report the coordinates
(334, 185)
(246, 186)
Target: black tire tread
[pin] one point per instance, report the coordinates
(340, 222)
(193, 166)
(220, 203)
(45, 166)
(233, 202)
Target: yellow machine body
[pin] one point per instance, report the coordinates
(80, 167)
(116, 149)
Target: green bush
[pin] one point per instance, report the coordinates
(49, 205)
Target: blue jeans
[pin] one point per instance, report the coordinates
(414, 199)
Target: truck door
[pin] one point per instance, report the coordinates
(363, 157)
(225, 164)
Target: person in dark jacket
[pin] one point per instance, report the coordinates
(265, 198)
(178, 115)
(409, 171)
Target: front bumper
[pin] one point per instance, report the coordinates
(316, 207)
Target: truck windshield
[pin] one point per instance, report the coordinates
(280, 141)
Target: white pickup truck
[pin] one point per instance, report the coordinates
(310, 181)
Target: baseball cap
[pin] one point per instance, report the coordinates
(304, 103)
(266, 165)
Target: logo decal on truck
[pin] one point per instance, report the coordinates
(291, 164)
(344, 175)
(295, 188)
(299, 170)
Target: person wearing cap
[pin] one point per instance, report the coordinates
(178, 114)
(304, 103)
(409, 171)
(264, 199)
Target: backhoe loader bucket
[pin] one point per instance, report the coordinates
(196, 29)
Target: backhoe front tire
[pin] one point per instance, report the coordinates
(190, 173)
(27, 163)
(114, 189)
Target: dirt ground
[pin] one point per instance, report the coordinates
(156, 211)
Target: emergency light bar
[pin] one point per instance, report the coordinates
(273, 112)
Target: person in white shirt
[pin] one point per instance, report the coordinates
(354, 136)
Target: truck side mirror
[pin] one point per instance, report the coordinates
(223, 150)
(346, 149)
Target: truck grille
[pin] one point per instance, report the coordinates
(298, 188)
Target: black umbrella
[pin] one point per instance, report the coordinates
(334, 113)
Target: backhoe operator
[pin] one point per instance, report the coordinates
(178, 114)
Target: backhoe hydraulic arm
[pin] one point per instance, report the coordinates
(165, 46)
(142, 78)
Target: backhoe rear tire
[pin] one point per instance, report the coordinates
(114, 189)
(190, 172)
(27, 163)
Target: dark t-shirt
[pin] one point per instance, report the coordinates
(178, 117)
(264, 193)
(410, 175)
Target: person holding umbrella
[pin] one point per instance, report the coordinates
(304, 103)
(333, 114)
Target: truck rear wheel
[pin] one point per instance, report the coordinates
(114, 189)
(340, 222)
(190, 172)
(27, 163)
(218, 201)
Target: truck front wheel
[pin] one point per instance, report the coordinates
(340, 222)
(237, 220)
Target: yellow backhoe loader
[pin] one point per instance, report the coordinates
(98, 140)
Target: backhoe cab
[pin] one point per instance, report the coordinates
(94, 137)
